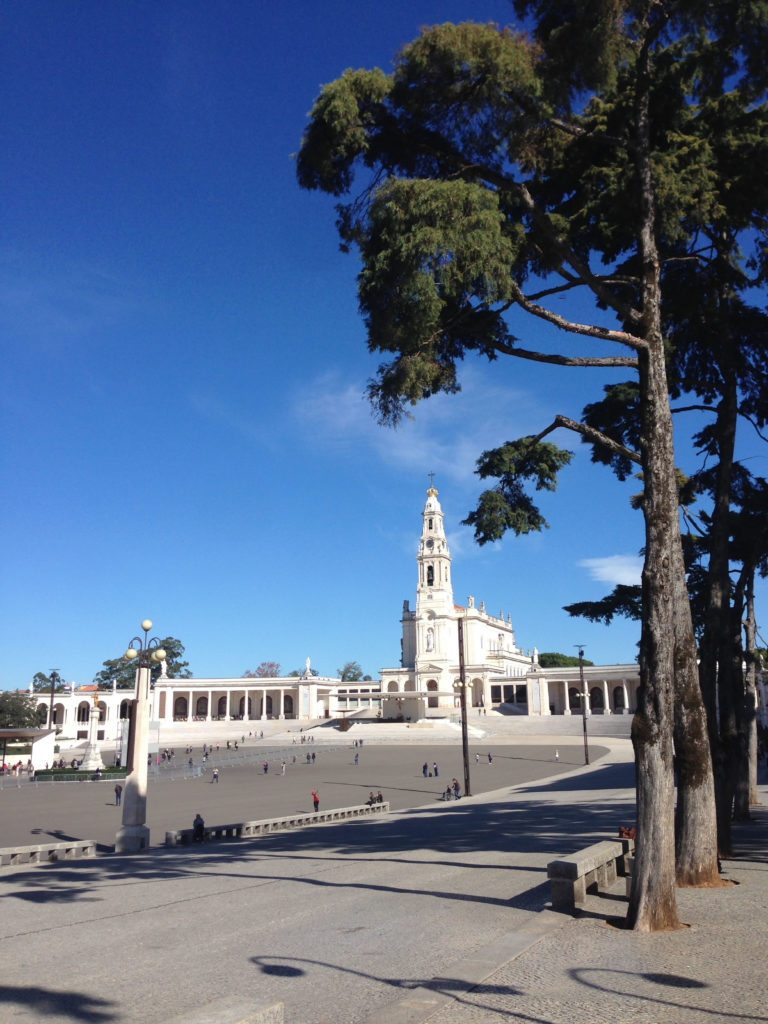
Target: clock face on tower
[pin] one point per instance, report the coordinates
(430, 543)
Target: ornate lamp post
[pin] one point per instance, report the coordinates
(584, 701)
(134, 833)
(461, 686)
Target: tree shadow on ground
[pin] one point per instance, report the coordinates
(512, 829)
(43, 1002)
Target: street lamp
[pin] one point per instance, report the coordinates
(461, 686)
(134, 833)
(584, 700)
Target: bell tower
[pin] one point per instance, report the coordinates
(434, 593)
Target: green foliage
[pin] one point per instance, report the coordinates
(42, 683)
(123, 672)
(551, 659)
(507, 506)
(625, 600)
(18, 710)
(352, 673)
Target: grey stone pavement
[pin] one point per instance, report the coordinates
(437, 911)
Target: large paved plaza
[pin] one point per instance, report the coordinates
(86, 810)
(436, 911)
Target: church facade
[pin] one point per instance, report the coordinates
(496, 670)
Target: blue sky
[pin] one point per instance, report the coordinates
(185, 432)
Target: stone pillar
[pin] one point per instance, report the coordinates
(228, 712)
(190, 709)
(627, 708)
(134, 834)
(91, 760)
(567, 704)
(606, 697)
(264, 693)
(281, 704)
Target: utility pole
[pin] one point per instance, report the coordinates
(584, 701)
(463, 705)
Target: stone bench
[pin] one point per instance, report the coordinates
(45, 852)
(245, 829)
(595, 867)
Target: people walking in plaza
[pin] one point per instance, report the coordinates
(557, 755)
(215, 777)
(313, 757)
(477, 759)
(282, 768)
(425, 769)
(456, 789)
(434, 769)
(357, 758)
(490, 758)
(118, 795)
(316, 800)
(266, 767)
(198, 829)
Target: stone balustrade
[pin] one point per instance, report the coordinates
(43, 853)
(244, 829)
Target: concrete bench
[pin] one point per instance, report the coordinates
(45, 852)
(595, 867)
(243, 829)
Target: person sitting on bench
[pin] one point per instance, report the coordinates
(198, 829)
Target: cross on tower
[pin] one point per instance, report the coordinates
(431, 479)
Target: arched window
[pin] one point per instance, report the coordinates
(83, 711)
(618, 697)
(596, 697)
(430, 575)
(288, 705)
(201, 707)
(574, 699)
(432, 687)
(180, 707)
(392, 688)
(125, 709)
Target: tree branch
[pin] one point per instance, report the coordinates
(590, 330)
(542, 357)
(591, 434)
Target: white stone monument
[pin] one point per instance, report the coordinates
(91, 760)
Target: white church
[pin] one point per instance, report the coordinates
(498, 674)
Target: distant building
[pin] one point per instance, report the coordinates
(497, 671)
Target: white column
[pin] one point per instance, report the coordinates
(229, 704)
(567, 704)
(627, 708)
(208, 709)
(190, 709)
(606, 697)
(281, 703)
(264, 693)
(134, 834)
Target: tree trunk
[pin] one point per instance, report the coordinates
(695, 817)
(667, 642)
(750, 716)
(652, 904)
